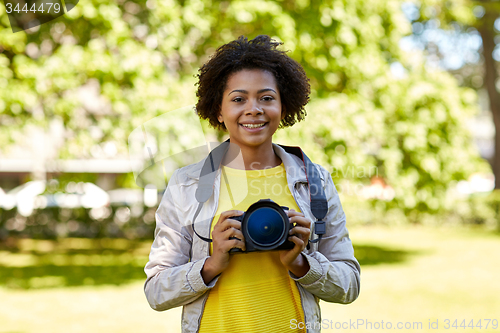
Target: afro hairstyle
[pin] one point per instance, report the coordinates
(259, 53)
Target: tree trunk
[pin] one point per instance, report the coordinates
(488, 34)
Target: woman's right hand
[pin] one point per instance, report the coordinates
(225, 236)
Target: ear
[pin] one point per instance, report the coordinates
(219, 118)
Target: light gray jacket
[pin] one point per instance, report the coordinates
(177, 255)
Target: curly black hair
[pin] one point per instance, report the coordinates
(261, 53)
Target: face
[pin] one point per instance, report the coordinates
(251, 107)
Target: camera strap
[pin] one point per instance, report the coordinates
(207, 180)
(319, 204)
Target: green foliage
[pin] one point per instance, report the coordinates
(116, 221)
(409, 129)
(458, 11)
(58, 184)
(482, 210)
(140, 58)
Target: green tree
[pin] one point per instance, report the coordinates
(376, 111)
(465, 16)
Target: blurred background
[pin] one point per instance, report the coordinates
(96, 111)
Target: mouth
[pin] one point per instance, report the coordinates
(253, 125)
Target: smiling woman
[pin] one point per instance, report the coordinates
(250, 89)
(251, 112)
(259, 53)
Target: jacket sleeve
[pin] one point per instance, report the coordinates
(334, 274)
(172, 279)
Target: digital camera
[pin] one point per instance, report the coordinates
(265, 226)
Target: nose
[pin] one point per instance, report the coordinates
(254, 108)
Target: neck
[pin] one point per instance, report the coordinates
(251, 158)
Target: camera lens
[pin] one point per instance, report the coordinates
(265, 226)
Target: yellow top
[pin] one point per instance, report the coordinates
(255, 292)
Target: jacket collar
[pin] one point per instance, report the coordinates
(293, 165)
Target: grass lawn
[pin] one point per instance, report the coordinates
(446, 275)
(411, 276)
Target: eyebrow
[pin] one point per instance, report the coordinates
(258, 92)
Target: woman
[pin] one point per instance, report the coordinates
(249, 88)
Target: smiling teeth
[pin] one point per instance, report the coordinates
(252, 125)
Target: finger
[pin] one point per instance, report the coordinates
(229, 213)
(234, 243)
(299, 243)
(300, 232)
(229, 223)
(294, 213)
(233, 232)
(301, 221)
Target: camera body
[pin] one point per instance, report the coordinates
(265, 226)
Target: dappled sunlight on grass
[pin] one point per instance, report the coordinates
(454, 276)
(36, 264)
(374, 255)
(27, 263)
(86, 309)
(410, 274)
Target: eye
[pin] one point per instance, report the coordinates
(267, 98)
(238, 99)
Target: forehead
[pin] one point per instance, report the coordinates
(251, 78)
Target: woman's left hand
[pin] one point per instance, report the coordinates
(292, 259)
